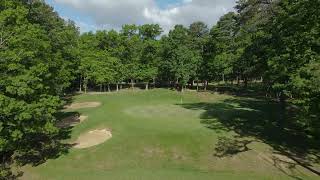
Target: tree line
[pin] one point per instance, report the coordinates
(43, 57)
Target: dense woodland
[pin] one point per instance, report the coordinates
(272, 43)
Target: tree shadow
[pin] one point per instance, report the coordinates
(69, 98)
(258, 118)
(227, 147)
(37, 148)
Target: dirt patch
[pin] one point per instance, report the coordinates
(71, 121)
(177, 154)
(93, 138)
(150, 152)
(281, 162)
(83, 105)
(161, 111)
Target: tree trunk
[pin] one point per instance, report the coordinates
(120, 86)
(85, 88)
(205, 85)
(117, 87)
(177, 84)
(85, 84)
(197, 85)
(245, 82)
(109, 90)
(104, 88)
(282, 99)
(80, 86)
(132, 84)
(223, 80)
(147, 86)
(100, 87)
(238, 80)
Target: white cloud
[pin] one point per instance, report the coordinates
(115, 13)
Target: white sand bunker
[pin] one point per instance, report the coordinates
(93, 138)
(83, 105)
(71, 121)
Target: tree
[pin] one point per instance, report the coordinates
(88, 47)
(149, 57)
(179, 58)
(199, 33)
(150, 31)
(131, 52)
(38, 54)
(149, 60)
(119, 71)
(103, 70)
(293, 57)
(223, 49)
(253, 15)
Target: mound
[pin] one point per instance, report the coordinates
(93, 138)
(83, 105)
(71, 121)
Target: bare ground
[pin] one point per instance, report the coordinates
(81, 105)
(71, 121)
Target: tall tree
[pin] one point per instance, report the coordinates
(38, 58)
(199, 33)
(150, 31)
(293, 57)
(149, 58)
(179, 58)
(88, 46)
(223, 50)
(131, 51)
(253, 15)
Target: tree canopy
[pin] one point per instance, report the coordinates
(43, 57)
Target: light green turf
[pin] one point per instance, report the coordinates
(154, 138)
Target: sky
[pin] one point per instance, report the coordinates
(92, 15)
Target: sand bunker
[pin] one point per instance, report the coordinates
(92, 138)
(83, 105)
(71, 121)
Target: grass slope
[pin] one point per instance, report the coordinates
(156, 137)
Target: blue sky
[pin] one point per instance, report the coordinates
(71, 13)
(91, 15)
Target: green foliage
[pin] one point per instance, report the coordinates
(179, 58)
(38, 60)
(293, 56)
(223, 56)
(150, 31)
(41, 55)
(199, 34)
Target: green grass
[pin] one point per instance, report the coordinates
(155, 137)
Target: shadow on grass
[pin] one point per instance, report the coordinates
(40, 147)
(227, 147)
(37, 148)
(250, 117)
